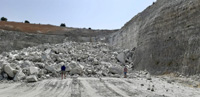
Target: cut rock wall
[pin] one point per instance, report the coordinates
(13, 40)
(166, 37)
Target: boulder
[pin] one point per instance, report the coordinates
(26, 64)
(33, 71)
(41, 72)
(107, 64)
(9, 70)
(14, 66)
(89, 71)
(35, 58)
(46, 55)
(76, 70)
(116, 70)
(116, 76)
(25, 70)
(48, 76)
(104, 74)
(40, 65)
(81, 66)
(121, 57)
(148, 76)
(31, 78)
(73, 64)
(50, 69)
(15, 71)
(90, 59)
(44, 71)
(20, 75)
(95, 62)
(68, 68)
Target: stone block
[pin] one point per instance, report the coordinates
(31, 78)
(9, 70)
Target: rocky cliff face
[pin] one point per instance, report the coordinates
(166, 37)
(14, 40)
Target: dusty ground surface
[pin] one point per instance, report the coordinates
(98, 87)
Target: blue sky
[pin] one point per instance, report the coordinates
(97, 14)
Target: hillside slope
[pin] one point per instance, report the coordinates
(166, 37)
(15, 36)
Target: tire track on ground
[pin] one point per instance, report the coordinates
(114, 89)
(88, 89)
(65, 89)
(102, 89)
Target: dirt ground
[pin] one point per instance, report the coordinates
(97, 87)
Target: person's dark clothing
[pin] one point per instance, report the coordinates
(125, 72)
(125, 69)
(63, 68)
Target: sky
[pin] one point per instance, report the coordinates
(97, 14)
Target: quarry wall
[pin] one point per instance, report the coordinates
(166, 37)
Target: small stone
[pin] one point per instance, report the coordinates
(148, 77)
(47, 76)
(152, 89)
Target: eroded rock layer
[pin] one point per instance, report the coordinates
(166, 37)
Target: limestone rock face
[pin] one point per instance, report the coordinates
(165, 36)
(16, 40)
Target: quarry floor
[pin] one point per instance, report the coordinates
(98, 87)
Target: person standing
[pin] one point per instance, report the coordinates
(125, 72)
(63, 72)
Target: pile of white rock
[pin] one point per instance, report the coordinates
(44, 61)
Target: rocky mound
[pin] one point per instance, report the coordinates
(44, 61)
(166, 37)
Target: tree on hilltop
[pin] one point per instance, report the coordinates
(26, 21)
(3, 19)
(62, 25)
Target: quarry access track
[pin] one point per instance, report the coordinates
(97, 87)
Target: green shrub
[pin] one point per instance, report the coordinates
(62, 25)
(3, 19)
(26, 21)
